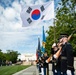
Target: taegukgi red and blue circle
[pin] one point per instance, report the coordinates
(35, 14)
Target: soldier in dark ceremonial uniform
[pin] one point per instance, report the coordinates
(45, 65)
(55, 62)
(67, 59)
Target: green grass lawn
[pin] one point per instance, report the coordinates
(9, 70)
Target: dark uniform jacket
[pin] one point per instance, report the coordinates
(45, 65)
(67, 60)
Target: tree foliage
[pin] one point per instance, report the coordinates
(10, 55)
(65, 22)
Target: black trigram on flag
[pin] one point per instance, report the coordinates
(42, 17)
(29, 20)
(42, 8)
(29, 10)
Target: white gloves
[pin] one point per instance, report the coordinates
(55, 71)
(54, 44)
(46, 61)
(69, 72)
(55, 56)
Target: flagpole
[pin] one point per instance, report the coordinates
(54, 26)
(54, 32)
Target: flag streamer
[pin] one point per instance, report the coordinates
(43, 41)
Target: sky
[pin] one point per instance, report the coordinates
(12, 35)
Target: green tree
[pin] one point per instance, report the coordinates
(65, 22)
(12, 55)
(1, 54)
(2, 58)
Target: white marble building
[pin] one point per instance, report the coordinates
(27, 57)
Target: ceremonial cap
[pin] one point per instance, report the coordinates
(63, 35)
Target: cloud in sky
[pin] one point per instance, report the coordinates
(12, 35)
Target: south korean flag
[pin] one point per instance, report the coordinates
(32, 15)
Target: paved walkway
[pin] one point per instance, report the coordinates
(32, 71)
(29, 71)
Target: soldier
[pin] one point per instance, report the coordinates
(67, 59)
(55, 63)
(45, 65)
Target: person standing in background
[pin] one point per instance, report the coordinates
(45, 65)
